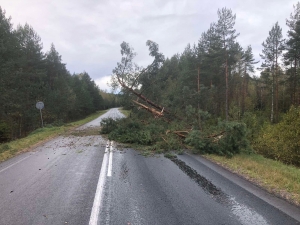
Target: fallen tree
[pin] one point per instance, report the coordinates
(224, 138)
(127, 75)
(149, 109)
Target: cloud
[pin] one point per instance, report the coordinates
(88, 34)
(102, 82)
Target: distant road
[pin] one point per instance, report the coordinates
(112, 113)
(89, 180)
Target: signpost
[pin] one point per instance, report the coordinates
(40, 106)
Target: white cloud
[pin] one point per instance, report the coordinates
(102, 83)
(88, 34)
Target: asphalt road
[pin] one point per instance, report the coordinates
(80, 179)
(185, 190)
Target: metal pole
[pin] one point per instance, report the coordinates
(42, 118)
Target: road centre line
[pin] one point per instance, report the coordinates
(109, 171)
(99, 190)
(14, 164)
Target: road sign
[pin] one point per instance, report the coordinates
(39, 105)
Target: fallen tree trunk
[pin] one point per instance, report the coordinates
(178, 133)
(149, 109)
(184, 133)
(139, 95)
(142, 96)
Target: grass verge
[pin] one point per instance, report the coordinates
(10, 149)
(125, 112)
(276, 177)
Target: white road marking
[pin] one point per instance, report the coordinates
(14, 164)
(109, 171)
(100, 187)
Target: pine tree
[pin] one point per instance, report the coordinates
(294, 17)
(272, 50)
(292, 54)
(225, 28)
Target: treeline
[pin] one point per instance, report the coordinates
(217, 73)
(110, 100)
(28, 75)
(214, 80)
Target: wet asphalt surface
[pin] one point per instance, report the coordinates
(56, 184)
(158, 190)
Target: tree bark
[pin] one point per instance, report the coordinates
(272, 97)
(198, 91)
(243, 92)
(276, 96)
(142, 96)
(226, 80)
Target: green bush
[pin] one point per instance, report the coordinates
(4, 147)
(4, 131)
(254, 122)
(143, 132)
(228, 138)
(235, 139)
(131, 131)
(108, 125)
(281, 141)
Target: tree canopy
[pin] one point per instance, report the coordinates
(210, 90)
(29, 75)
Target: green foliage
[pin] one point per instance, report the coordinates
(108, 125)
(200, 142)
(130, 131)
(4, 148)
(4, 132)
(39, 130)
(230, 138)
(281, 141)
(28, 75)
(151, 132)
(235, 138)
(254, 123)
(170, 155)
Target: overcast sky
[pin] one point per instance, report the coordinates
(88, 33)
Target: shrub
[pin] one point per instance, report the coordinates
(254, 122)
(108, 125)
(235, 139)
(4, 131)
(281, 141)
(4, 147)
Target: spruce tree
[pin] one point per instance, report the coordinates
(248, 64)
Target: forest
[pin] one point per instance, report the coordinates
(209, 99)
(28, 75)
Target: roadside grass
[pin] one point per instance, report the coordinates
(280, 179)
(10, 149)
(125, 112)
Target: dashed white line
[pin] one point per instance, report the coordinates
(109, 171)
(100, 187)
(14, 164)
